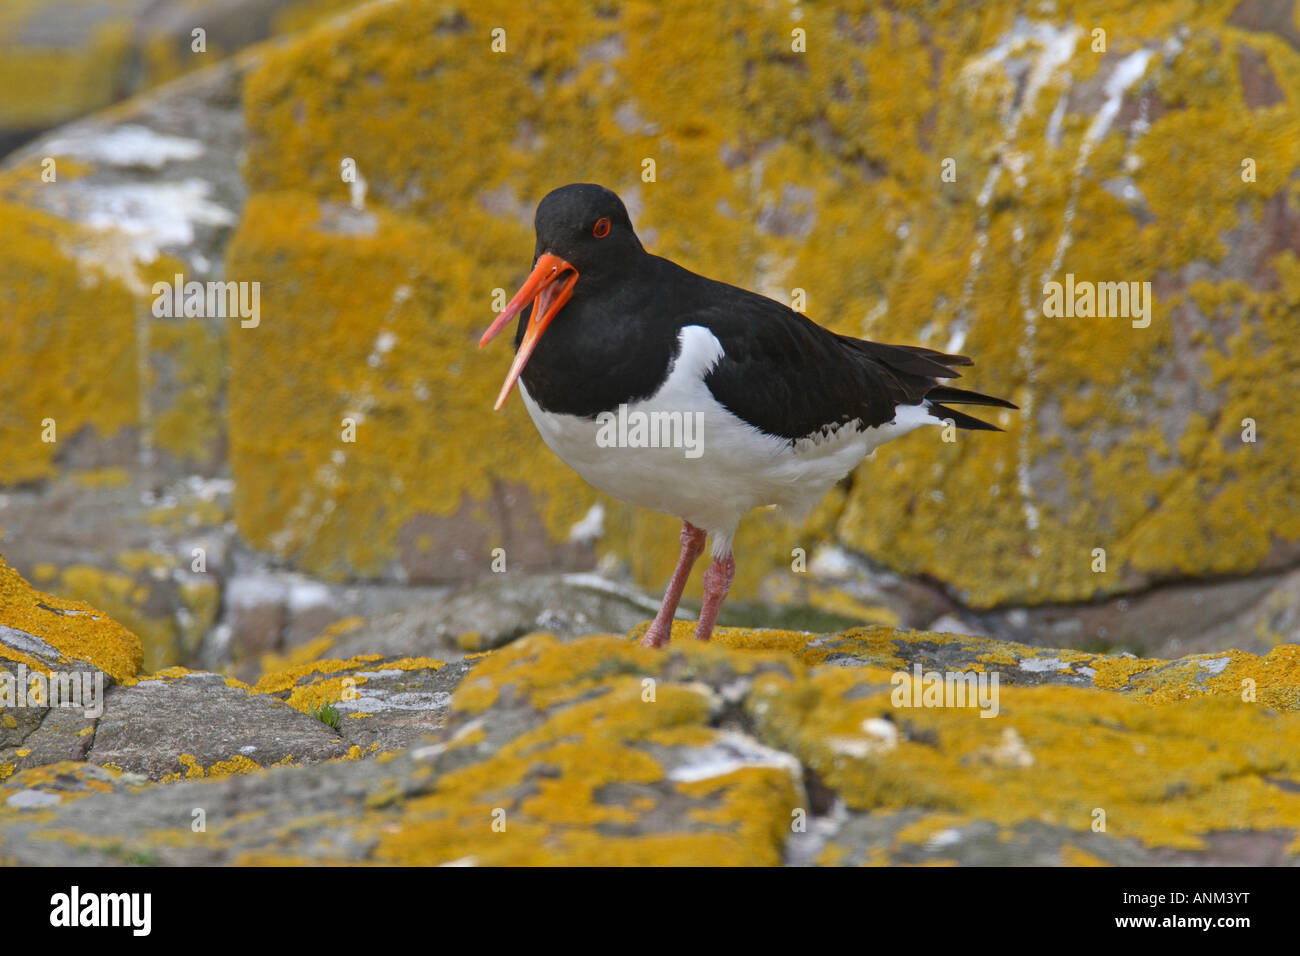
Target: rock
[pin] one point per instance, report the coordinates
(597, 776)
(46, 632)
(917, 837)
(69, 58)
(1127, 441)
(52, 784)
(1136, 441)
(271, 612)
(1272, 679)
(178, 723)
(1164, 783)
(58, 661)
(495, 612)
(760, 748)
(1125, 507)
(197, 724)
(384, 703)
(400, 703)
(1253, 613)
(441, 506)
(113, 509)
(140, 566)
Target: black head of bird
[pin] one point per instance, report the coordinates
(584, 235)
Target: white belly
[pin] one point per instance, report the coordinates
(711, 468)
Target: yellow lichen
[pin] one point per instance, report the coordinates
(311, 651)
(237, 764)
(126, 598)
(544, 797)
(115, 477)
(77, 328)
(1164, 775)
(324, 691)
(1073, 856)
(73, 628)
(286, 678)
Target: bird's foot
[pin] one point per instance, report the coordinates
(717, 582)
(657, 636)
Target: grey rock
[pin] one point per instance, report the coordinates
(1253, 613)
(147, 726)
(501, 609)
(401, 706)
(33, 733)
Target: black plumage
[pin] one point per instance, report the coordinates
(617, 337)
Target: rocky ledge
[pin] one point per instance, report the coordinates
(764, 747)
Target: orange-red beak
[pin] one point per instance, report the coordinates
(551, 284)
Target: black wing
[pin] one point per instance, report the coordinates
(788, 376)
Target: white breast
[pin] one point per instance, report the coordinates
(711, 468)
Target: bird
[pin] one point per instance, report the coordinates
(702, 400)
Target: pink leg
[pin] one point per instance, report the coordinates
(717, 582)
(661, 630)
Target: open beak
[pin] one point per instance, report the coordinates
(551, 284)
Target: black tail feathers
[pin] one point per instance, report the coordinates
(962, 396)
(913, 371)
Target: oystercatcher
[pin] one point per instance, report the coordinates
(678, 393)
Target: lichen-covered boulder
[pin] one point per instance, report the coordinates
(51, 784)
(185, 724)
(59, 660)
(1146, 448)
(111, 476)
(70, 631)
(72, 689)
(382, 703)
(1130, 439)
(389, 437)
(920, 174)
(761, 748)
(62, 58)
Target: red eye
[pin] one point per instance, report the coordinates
(601, 229)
